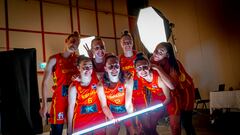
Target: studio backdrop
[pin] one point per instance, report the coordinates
(19, 97)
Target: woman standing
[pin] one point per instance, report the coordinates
(60, 68)
(157, 92)
(164, 56)
(98, 53)
(115, 94)
(84, 108)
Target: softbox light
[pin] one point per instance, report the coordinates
(153, 28)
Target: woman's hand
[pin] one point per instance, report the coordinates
(89, 51)
(76, 77)
(127, 75)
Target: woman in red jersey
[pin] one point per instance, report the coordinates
(164, 57)
(127, 65)
(157, 92)
(97, 53)
(84, 108)
(61, 67)
(115, 95)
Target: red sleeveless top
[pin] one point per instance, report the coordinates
(155, 93)
(127, 63)
(62, 73)
(116, 98)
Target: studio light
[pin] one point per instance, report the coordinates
(84, 41)
(118, 119)
(153, 28)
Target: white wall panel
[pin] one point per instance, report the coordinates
(104, 5)
(50, 84)
(121, 24)
(62, 2)
(110, 45)
(56, 18)
(120, 6)
(89, 4)
(27, 40)
(105, 24)
(23, 14)
(54, 44)
(120, 50)
(75, 21)
(2, 40)
(88, 25)
(2, 14)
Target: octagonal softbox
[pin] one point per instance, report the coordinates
(153, 27)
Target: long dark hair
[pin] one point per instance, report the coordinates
(140, 56)
(106, 77)
(171, 56)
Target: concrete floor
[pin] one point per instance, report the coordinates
(225, 124)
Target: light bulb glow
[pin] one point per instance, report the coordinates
(118, 119)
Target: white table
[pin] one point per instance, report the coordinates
(224, 99)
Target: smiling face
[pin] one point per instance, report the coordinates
(86, 68)
(142, 68)
(160, 53)
(112, 68)
(98, 48)
(126, 43)
(72, 43)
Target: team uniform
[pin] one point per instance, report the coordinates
(186, 89)
(87, 111)
(155, 94)
(174, 107)
(187, 97)
(116, 101)
(184, 85)
(138, 95)
(99, 67)
(62, 73)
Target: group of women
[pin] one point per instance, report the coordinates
(110, 86)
